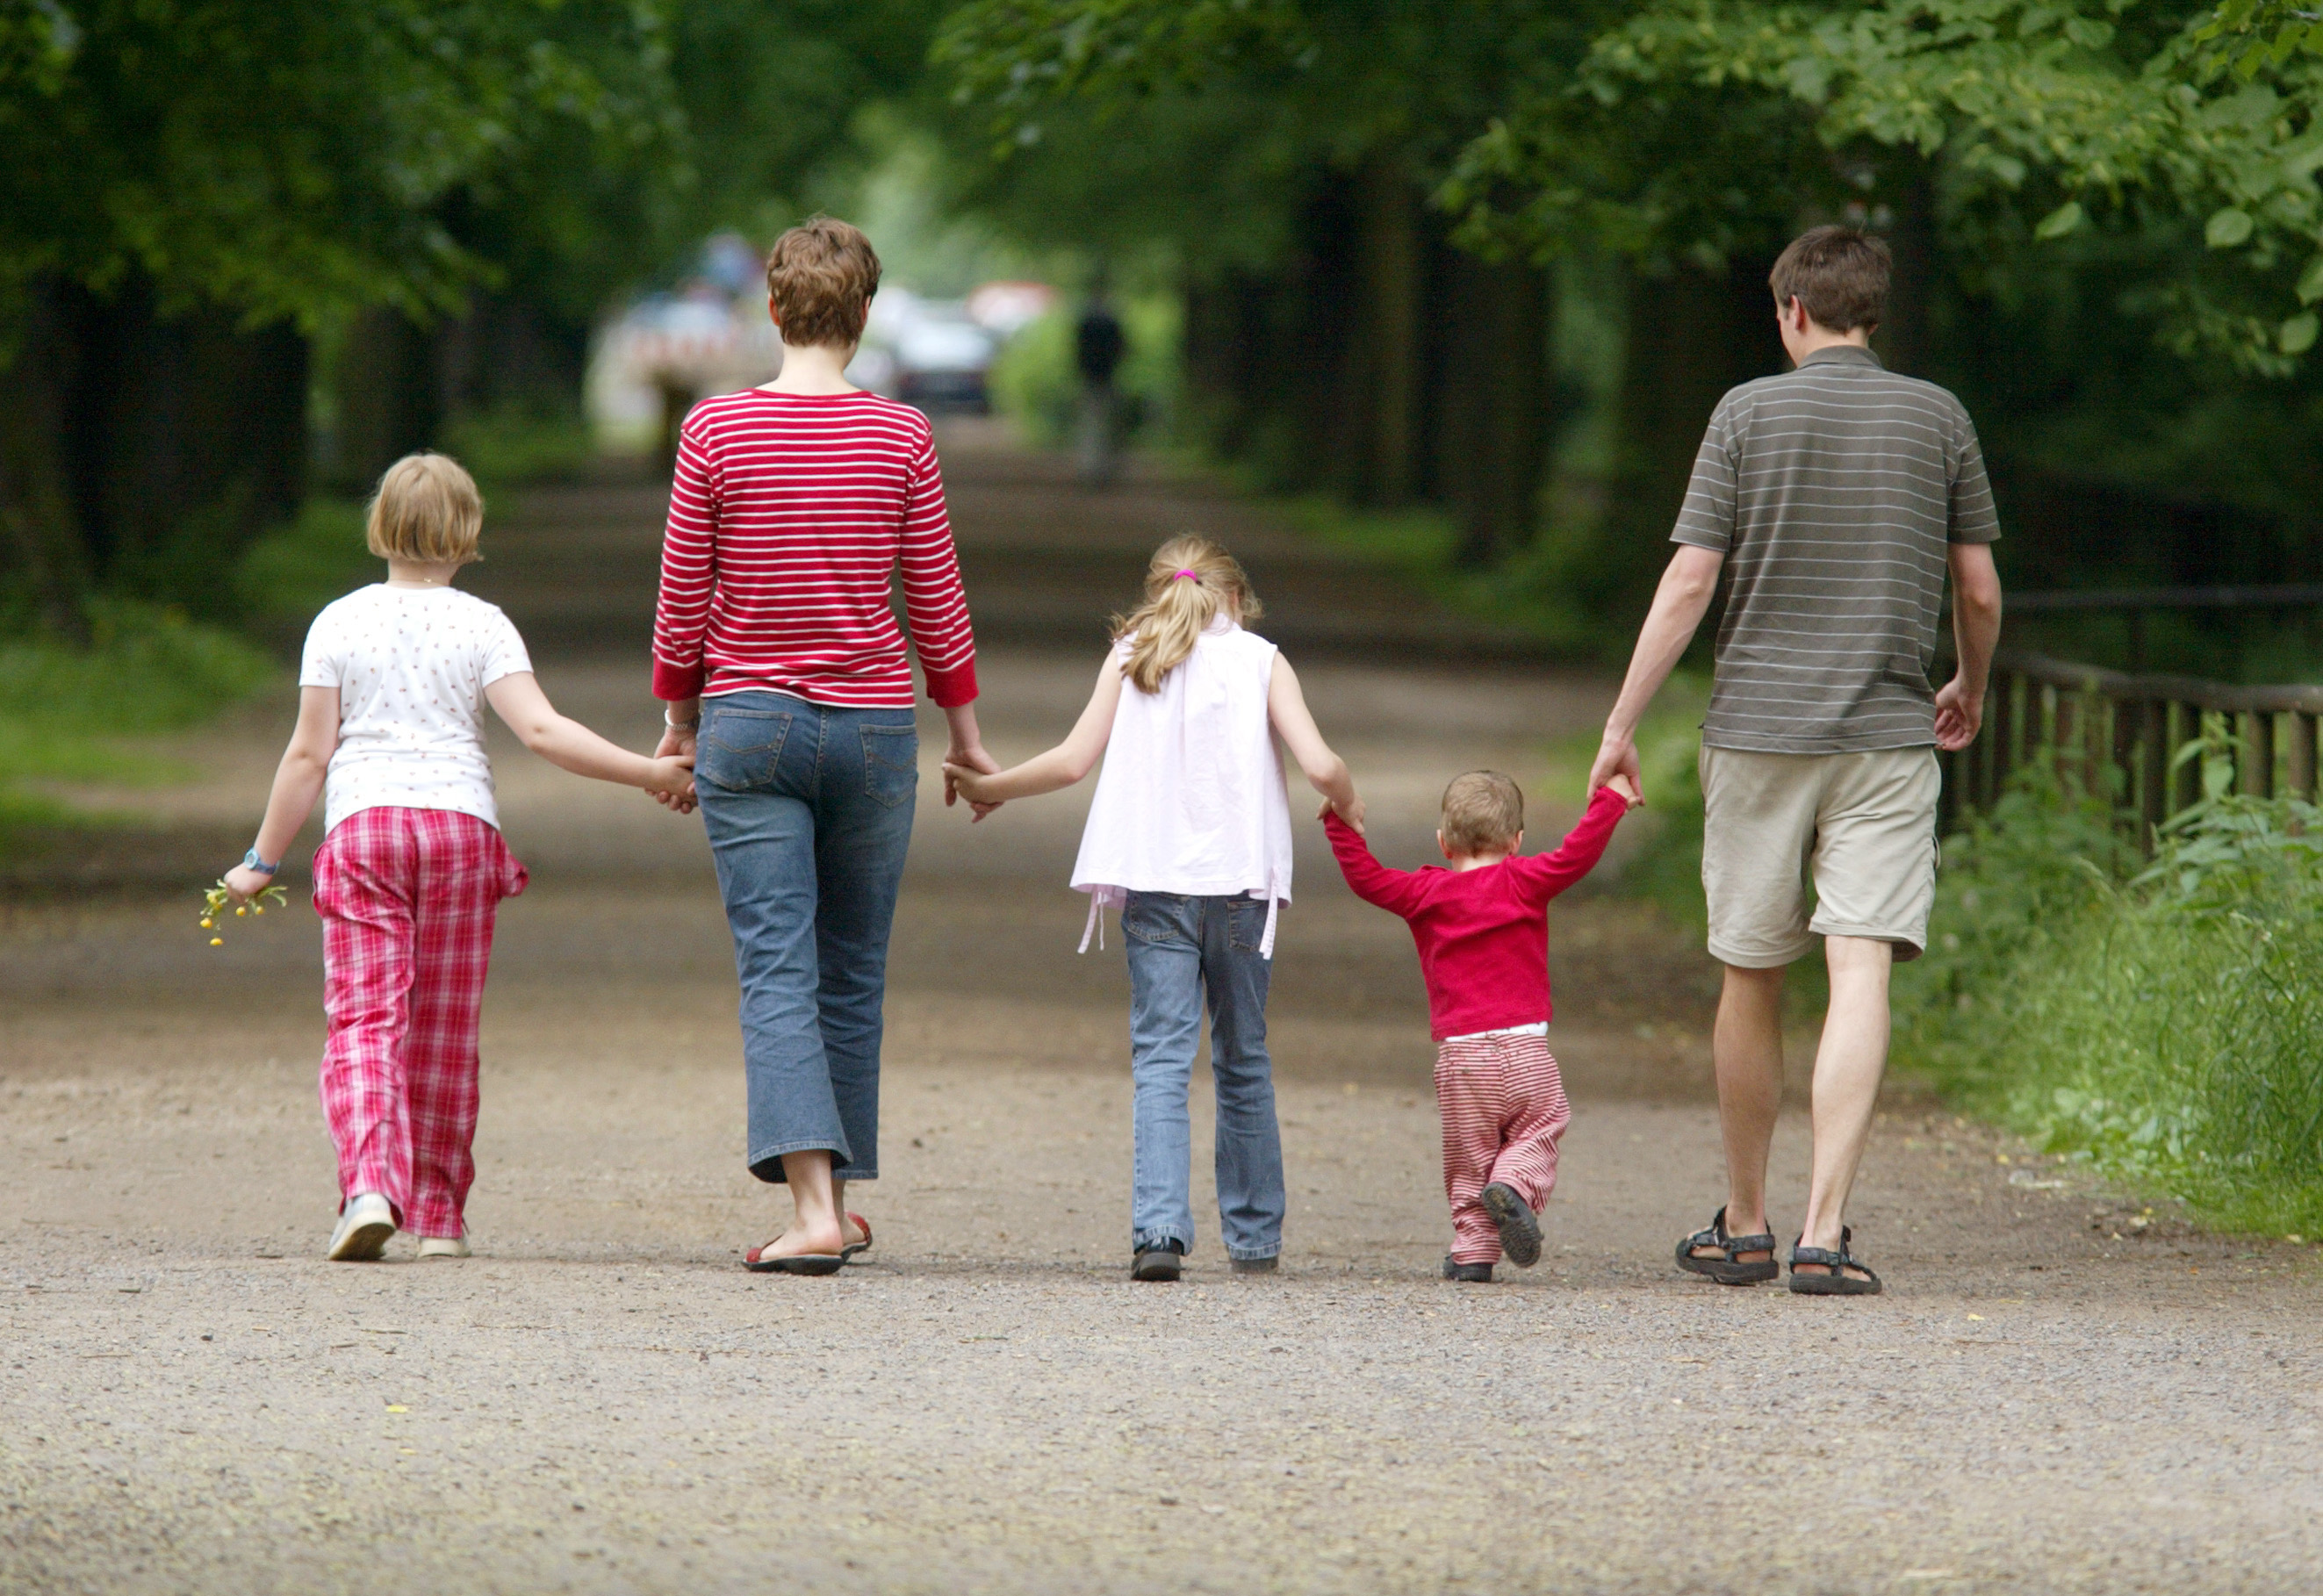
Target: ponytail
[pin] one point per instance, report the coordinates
(1190, 583)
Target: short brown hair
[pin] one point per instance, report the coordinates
(1839, 274)
(820, 276)
(427, 509)
(1484, 813)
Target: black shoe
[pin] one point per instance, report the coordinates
(1254, 1266)
(1519, 1230)
(1161, 1262)
(1470, 1274)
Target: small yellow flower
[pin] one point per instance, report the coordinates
(208, 923)
(238, 914)
(217, 941)
(258, 908)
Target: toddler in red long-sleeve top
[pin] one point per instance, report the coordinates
(1482, 928)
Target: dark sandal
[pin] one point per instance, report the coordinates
(1730, 1271)
(1838, 1283)
(847, 1253)
(794, 1263)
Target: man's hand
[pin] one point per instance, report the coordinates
(243, 882)
(1627, 788)
(1352, 813)
(968, 761)
(1617, 755)
(1960, 715)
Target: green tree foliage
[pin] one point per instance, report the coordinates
(2036, 119)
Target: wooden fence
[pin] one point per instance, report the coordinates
(2100, 720)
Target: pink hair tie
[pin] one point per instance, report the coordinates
(1189, 576)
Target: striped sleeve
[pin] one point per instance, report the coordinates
(1973, 517)
(935, 604)
(689, 569)
(1706, 519)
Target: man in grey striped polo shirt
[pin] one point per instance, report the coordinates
(1833, 501)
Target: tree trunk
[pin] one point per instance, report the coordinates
(1691, 337)
(42, 558)
(1383, 399)
(1493, 424)
(390, 391)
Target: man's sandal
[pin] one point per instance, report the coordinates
(1838, 1283)
(1729, 1269)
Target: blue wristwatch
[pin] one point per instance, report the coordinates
(251, 861)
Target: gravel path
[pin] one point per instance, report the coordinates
(2059, 1392)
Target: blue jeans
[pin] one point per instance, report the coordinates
(809, 811)
(1178, 946)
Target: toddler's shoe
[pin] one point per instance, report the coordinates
(365, 1223)
(1467, 1274)
(1254, 1266)
(1519, 1229)
(1161, 1261)
(442, 1247)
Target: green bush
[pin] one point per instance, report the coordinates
(295, 569)
(518, 443)
(2165, 1020)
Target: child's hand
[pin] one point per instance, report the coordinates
(245, 883)
(670, 779)
(1353, 814)
(1620, 782)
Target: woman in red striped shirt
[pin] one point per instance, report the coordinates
(775, 643)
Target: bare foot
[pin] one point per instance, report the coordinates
(801, 1242)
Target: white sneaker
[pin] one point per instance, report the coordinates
(442, 1247)
(365, 1223)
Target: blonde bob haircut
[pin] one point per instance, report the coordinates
(427, 511)
(1484, 813)
(1190, 583)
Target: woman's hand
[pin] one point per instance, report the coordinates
(243, 882)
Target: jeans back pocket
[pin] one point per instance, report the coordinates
(891, 763)
(738, 749)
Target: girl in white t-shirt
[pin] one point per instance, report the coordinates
(1189, 834)
(412, 869)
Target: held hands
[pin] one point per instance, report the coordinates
(1960, 715)
(967, 774)
(1627, 788)
(1350, 813)
(1617, 755)
(671, 780)
(677, 749)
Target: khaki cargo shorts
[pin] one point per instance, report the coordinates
(1864, 824)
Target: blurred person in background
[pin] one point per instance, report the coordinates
(1099, 344)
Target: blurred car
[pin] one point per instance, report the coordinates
(943, 357)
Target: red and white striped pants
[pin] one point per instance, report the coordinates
(1502, 1103)
(407, 898)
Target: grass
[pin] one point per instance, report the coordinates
(2161, 1022)
(68, 714)
(295, 569)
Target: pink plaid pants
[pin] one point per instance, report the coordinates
(1502, 1101)
(407, 898)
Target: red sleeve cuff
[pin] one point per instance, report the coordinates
(673, 682)
(951, 688)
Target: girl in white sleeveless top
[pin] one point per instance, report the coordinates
(1189, 836)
